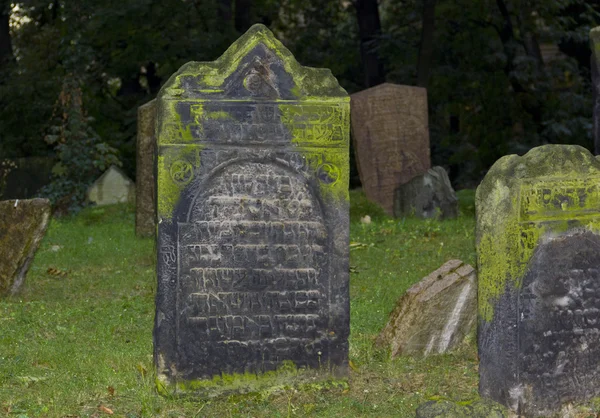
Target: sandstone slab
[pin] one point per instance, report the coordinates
(434, 315)
(390, 132)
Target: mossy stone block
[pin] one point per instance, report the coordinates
(538, 224)
(23, 224)
(252, 207)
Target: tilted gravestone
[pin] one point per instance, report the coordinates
(428, 195)
(595, 70)
(145, 190)
(434, 315)
(390, 133)
(253, 219)
(538, 225)
(23, 224)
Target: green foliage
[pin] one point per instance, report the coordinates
(82, 156)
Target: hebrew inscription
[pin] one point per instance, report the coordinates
(252, 187)
(538, 239)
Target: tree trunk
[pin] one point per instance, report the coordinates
(6, 50)
(426, 48)
(243, 16)
(369, 28)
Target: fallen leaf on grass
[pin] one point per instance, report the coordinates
(106, 410)
(53, 271)
(111, 391)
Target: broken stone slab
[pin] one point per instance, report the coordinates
(434, 315)
(426, 195)
(23, 224)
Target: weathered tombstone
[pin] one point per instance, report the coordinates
(595, 69)
(253, 220)
(538, 224)
(112, 187)
(427, 195)
(145, 188)
(23, 224)
(434, 315)
(390, 132)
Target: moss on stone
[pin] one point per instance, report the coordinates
(244, 383)
(511, 222)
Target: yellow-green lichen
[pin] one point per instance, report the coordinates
(287, 374)
(546, 192)
(310, 82)
(172, 160)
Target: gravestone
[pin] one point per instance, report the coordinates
(595, 70)
(252, 197)
(538, 225)
(145, 188)
(390, 132)
(428, 195)
(112, 187)
(23, 224)
(434, 315)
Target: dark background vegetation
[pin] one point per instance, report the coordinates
(502, 75)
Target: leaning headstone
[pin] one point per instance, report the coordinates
(112, 187)
(428, 195)
(253, 220)
(145, 188)
(23, 224)
(595, 69)
(434, 315)
(538, 225)
(390, 132)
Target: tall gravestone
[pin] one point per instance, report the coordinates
(252, 195)
(145, 190)
(538, 245)
(595, 70)
(390, 132)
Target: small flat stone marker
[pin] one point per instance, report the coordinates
(538, 248)
(23, 224)
(390, 132)
(252, 200)
(145, 188)
(434, 315)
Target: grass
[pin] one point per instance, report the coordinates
(77, 340)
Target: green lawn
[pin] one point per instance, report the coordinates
(77, 341)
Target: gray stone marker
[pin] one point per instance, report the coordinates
(145, 190)
(112, 187)
(434, 315)
(23, 224)
(390, 133)
(538, 242)
(252, 197)
(595, 68)
(428, 195)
